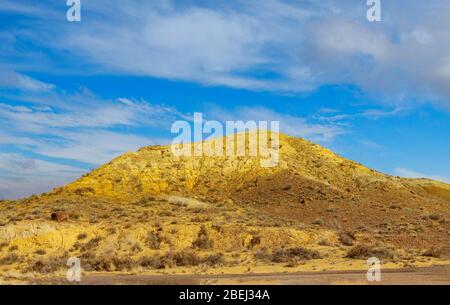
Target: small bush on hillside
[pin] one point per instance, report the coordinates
(153, 240)
(82, 236)
(50, 265)
(9, 259)
(13, 248)
(287, 255)
(91, 244)
(433, 252)
(185, 258)
(346, 239)
(366, 251)
(203, 241)
(214, 260)
(3, 245)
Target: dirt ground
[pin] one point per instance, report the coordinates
(437, 275)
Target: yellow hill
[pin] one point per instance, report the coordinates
(148, 211)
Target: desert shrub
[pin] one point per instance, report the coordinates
(203, 241)
(153, 240)
(304, 253)
(94, 219)
(288, 255)
(199, 219)
(152, 262)
(262, 255)
(91, 244)
(108, 263)
(50, 265)
(433, 252)
(112, 230)
(3, 245)
(197, 210)
(434, 217)
(214, 260)
(118, 209)
(82, 236)
(256, 240)
(319, 222)
(346, 239)
(36, 212)
(184, 258)
(122, 263)
(14, 248)
(366, 251)
(293, 262)
(136, 248)
(324, 242)
(9, 259)
(165, 214)
(84, 190)
(217, 227)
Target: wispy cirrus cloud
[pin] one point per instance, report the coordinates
(91, 135)
(335, 115)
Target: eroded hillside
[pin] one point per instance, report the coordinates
(148, 211)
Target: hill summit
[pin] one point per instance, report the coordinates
(155, 170)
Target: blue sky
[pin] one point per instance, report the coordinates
(75, 95)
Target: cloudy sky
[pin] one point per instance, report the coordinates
(76, 94)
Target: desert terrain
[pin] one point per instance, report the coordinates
(148, 216)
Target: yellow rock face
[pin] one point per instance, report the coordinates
(155, 171)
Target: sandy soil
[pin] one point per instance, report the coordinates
(437, 275)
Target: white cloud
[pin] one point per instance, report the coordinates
(125, 101)
(21, 187)
(21, 176)
(302, 45)
(84, 135)
(19, 165)
(289, 124)
(370, 114)
(20, 81)
(93, 146)
(370, 144)
(408, 173)
(195, 44)
(28, 8)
